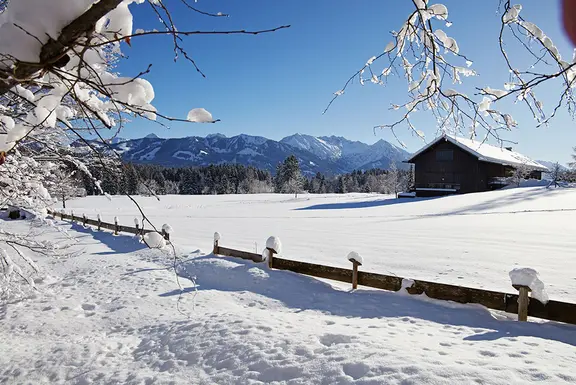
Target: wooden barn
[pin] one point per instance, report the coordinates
(454, 165)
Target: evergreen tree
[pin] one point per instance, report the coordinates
(288, 177)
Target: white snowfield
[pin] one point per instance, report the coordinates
(468, 240)
(114, 314)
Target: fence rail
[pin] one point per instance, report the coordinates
(116, 227)
(552, 310)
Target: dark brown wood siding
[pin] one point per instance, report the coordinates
(462, 170)
(487, 171)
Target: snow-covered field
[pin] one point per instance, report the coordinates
(468, 240)
(113, 313)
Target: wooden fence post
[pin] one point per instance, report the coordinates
(356, 261)
(84, 220)
(99, 221)
(116, 229)
(523, 301)
(271, 253)
(165, 235)
(72, 214)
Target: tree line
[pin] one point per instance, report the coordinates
(149, 179)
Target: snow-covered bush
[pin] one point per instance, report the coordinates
(274, 244)
(154, 240)
(530, 278)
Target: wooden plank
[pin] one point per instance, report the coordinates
(553, 310)
(320, 271)
(379, 281)
(490, 299)
(239, 254)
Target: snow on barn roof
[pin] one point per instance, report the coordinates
(486, 152)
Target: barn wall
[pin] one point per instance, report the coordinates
(462, 170)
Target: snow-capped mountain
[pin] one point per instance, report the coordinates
(333, 155)
(349, 154)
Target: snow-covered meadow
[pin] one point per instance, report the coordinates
(113, 312)
(468, 240)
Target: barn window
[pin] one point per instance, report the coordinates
(445, 155)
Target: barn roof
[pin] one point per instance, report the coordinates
(485, 152)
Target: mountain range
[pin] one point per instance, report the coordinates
(326, 154)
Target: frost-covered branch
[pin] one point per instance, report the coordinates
(428, 58)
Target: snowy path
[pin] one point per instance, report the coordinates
(110, 316)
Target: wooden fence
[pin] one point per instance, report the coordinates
(552, 310)
(115, 227)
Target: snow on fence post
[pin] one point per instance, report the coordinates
(166, 231)
(216, 241)
(84, 220)
(116, 229)
(356, 260)
(99, 221)
(72, 214)
(273, 246)
(137, 224)
(526, 280)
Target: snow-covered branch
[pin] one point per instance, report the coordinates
(429, 59)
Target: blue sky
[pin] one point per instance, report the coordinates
(278, 84)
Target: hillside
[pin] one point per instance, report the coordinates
(329, 155)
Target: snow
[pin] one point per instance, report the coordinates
(186, 155)
(472, 240)
(248, 151)
(150, 154)
(200, 115)
(167, 228)
(529, 277)
(27, 24)
(154, 240)
(114, 314)
(354, 256)
(274, 244)
(136, 222)
(487, 152)
(217, 236)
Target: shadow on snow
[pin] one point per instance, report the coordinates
(118, 244)
(362, 204)
(302, 293)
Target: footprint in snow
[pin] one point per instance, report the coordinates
(356, 370)
(335, 339)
